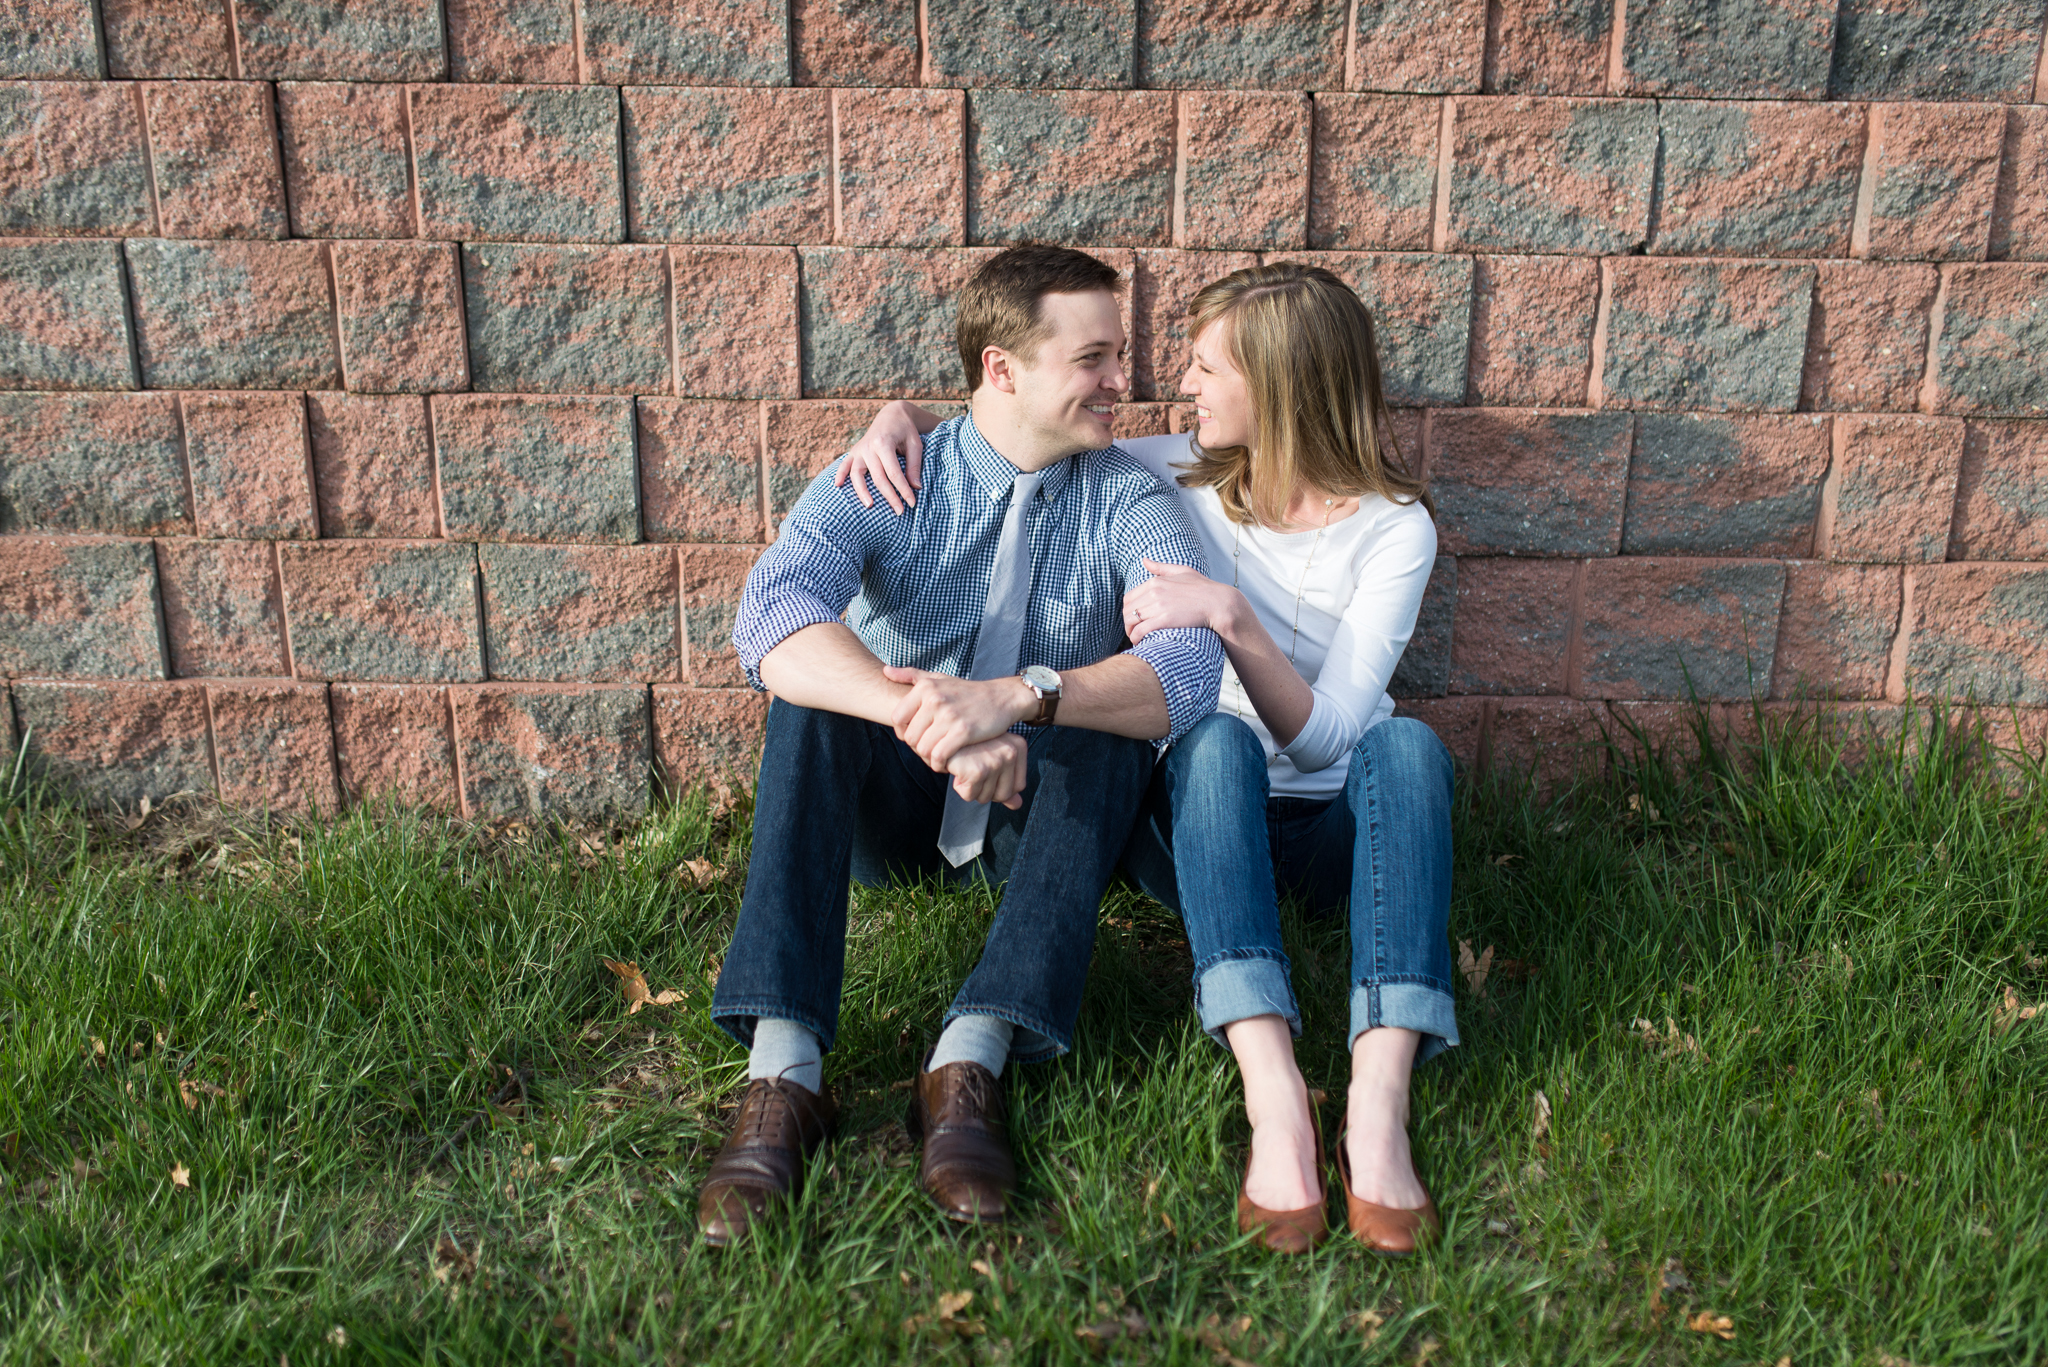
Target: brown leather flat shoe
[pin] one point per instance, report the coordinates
(1385, 1229)
(1289, 1231)
(779, 1127)
(957, 1111)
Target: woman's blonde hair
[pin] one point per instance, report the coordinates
(1304, 343)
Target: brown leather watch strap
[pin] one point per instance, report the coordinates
(1048, 707)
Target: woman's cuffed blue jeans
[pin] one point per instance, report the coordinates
(1213, 844)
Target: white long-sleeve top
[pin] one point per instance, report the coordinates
(1341, 601)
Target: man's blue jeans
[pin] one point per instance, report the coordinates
(1214, 845)
(840, 797)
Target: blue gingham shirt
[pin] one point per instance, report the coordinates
(917, 581)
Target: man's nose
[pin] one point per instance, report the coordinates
(1117, 380)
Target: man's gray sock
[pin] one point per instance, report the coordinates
(974, 1039)
(786, 1050)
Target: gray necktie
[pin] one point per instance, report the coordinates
(965, 823)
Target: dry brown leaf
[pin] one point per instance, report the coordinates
(1541, 1124)
(190, 1091)
(2004, 1016)
(82, 1171)
(450, 1260)
(1707, 1322)
(1474, 970)
(633, 983)
(1501, 861)
(702, 871)
(181, 1176)
(1368, 1323)
(953, 1302)
(978, 1265)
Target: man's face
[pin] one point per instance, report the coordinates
(1068, 394)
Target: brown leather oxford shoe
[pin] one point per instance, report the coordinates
(779, 1127)
(957, 1111)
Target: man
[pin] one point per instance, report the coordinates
(970, 718)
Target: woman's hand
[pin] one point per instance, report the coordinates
(1176, 596)
(890, 454)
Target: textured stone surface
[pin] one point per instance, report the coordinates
(1245, 159)
(519, 468)
(1896, 485)
(1550, 47)
(1424, 669)
(391, 741)
(401, 317)
(512, 40)
(1036, 170)
(1532, 329)
(590, 320)
(251, 467)
(737, 343)
(341, 40)
(345, 161)
(1868, 346)
(1994, 333)
(1521, 482)
(214, 146)
(881, 322)
(2019, 226)
(233, 315)
(78, 608)
(91, 463)
(1030, 43)
(1163, 284)
(712, 578)
(1980, 630)
(700, 470)
(1514, 626)
(2002, 496)
(221, 614)
(63, 320)
(382, 610)
(1549, 742)
(560, 750)
(1706, 334)
(1429, 47)
(166, 39)
(1243, 44)
(1936, 49)
(113, 744)
(1460, 723)
(533, 163)
(274, 746)
(49, 40)
(728, 166)
(854, 42)
(685, 42)
(1373, 175)
(373, 471)
(1937, 172)
(1761, 179)
(1835, 638)
(1551, 175)
(72, 160)
(569, 613)
(1421, 312)
(902, 168)
(1655, 628)
(708, 738)
(1725, 484)
(1745, 48)
(805, 437)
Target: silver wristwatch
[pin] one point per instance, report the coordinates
(1046, 684)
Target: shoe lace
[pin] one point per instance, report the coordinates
(978, 1088)
(758, 1114)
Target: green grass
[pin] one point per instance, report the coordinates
(1831, 1143)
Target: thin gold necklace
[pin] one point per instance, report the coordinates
(1293, 640)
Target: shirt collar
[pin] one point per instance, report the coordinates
(996, 475)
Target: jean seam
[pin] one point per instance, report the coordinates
(1252, 954)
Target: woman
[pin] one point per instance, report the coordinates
(1320, 543)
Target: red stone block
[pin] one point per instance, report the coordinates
(554, 750)
(694, 42)
(1867, 349)
(512, 40)
(730, 166)
(1994, 332)
(1026, 44)
(220, 608)
(341, 40)
(215, 150)
(1722, 484)
(1894, 488)
(882, 322)
(1551, 742)
(1513, 628)
(730, 344)
(536, 468)
(167, 39)
(700, 470)
(1655, 628)
(1704, 334)
(1521, 482)
(345, 160)
(1460, 723)
(373, 470)
(78, 607)
(233, 315)
(1666, 733)
(1133, 420)
(401, 317)
(1243, 44)
(391, 610)
(252, 469)
(1776, 49)
(713, 577)
(1419, 47)
(1979, 631)
(72, 160)
(1551, 175)
(526, 163)
(1040, 167)
(804, 438)
(1372, 180)
(63, 316)
(1549, 47)
(564, 614)
(1162, 287)
(113, 744)
(854, 42)
(902, 167)
(708, 738)
(1935, 50)
(2019, 219)
(1421, 307)
(1835, 637)
(1936, 173)
(48, 40)
(1532, 330)
(1758, 179)
(273, 745)
(392, 741)
(1244, 159)
(2002, 497)
(92, 463)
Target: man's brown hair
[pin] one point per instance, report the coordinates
(1000, 306)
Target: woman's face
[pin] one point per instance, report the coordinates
(1223, 404)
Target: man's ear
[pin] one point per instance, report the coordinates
(999, 369)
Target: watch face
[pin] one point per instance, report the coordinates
(1038, 676)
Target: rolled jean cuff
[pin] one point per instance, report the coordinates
(1238, 988)
(1032, 1041)
(1408, 1006)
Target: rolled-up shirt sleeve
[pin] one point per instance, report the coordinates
(811, 572)
(1188, 660)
